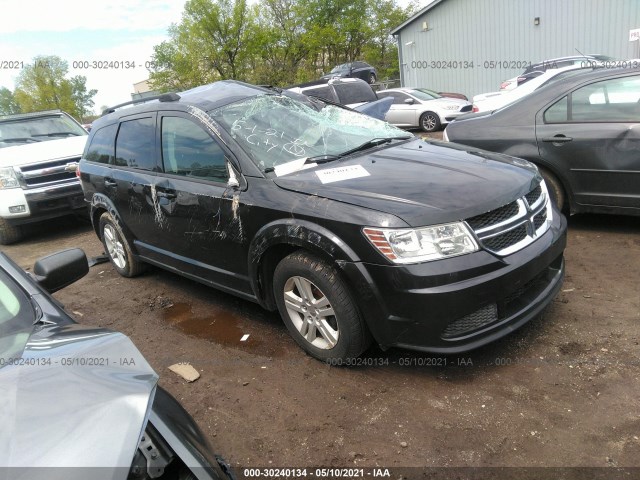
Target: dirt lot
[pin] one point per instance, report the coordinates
(562, 392)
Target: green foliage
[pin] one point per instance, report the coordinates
(8, 103)
(275, 42)
(43, 86)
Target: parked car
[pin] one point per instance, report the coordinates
(543, 66)
(495, 100)
(419, 107)
(581, 131)
(352, 228)
(38, 152)
(85, 395)
(350, 92)
(361, 70)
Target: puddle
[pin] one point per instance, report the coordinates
(221, 326)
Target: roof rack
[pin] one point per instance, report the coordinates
(165, 97)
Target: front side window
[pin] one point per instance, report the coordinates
(398, 98)
(614, 100)
(16, 320)
(101, 148)
(134, 145)
(189, 151)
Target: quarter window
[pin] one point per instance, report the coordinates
(134, 145)
(189, 151)
(101, 148)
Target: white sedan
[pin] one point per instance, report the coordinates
(495, 100)
(420, 107)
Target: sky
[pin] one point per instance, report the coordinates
(87, 31)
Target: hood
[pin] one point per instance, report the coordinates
(70, 147)
(423, 183)
(79, 400)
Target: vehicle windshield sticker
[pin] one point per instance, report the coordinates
(290, 167)
(341, 173)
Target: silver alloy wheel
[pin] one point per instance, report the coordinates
(311, 313)
(114, 246)
(429, 122)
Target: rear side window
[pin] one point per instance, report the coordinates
(134, 145)
(321, 92)
(189, 151)
(614, 100)
(354, 92)
(101, 148)
(398, 97)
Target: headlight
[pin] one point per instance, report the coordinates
(451, 107)
(424, 244)
(8, 178)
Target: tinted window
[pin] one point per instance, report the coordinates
(614, 100)
(134, 145)
(321, 92)
(101, 148)
(188, 150)
(354, 92)
(398, 97)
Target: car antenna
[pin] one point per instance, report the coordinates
(582, 54)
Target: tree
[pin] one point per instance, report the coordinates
(43, 86)
(8, 104)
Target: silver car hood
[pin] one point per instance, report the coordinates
(79, 397)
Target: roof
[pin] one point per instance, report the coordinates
(431, 6)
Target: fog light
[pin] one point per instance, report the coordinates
(18, 209)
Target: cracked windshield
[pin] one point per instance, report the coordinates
(276, 130)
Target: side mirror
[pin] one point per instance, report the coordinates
(409, 101)
(61, 269)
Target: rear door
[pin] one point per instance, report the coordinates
(131, 179)
(401, 113)
(592, 137)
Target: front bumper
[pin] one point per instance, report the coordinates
(459, 304)
(47, 202)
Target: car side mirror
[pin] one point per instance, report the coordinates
(409, 101)
(60, 269)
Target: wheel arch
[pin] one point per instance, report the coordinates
(100, 204)
(276, 240)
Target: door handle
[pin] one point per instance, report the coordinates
(167, 195)
(557, 139)
(108, 182)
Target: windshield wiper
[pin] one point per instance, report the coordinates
(321, 158)
(374, 142)
(18, 139)
(56, 134)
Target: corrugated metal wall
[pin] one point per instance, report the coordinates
(474, 33)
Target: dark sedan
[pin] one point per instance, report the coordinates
(583, 132)
(361, 70)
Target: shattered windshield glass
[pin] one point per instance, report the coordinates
(276, 130)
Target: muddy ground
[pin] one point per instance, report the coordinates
(563, 391)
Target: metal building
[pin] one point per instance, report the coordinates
(471, 46)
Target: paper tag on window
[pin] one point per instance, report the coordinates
(341, 173)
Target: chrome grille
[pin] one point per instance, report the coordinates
(509, 228)
(46, 173)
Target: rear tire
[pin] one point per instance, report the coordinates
(430, 122)
(117, 247)
(556, 191)
(317, 308)
(9, 233)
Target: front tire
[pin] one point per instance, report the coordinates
(430, 122)
(9, 233)
(118, 248)
(318, 309)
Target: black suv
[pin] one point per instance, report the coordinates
(353, 229)
(361, 70)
